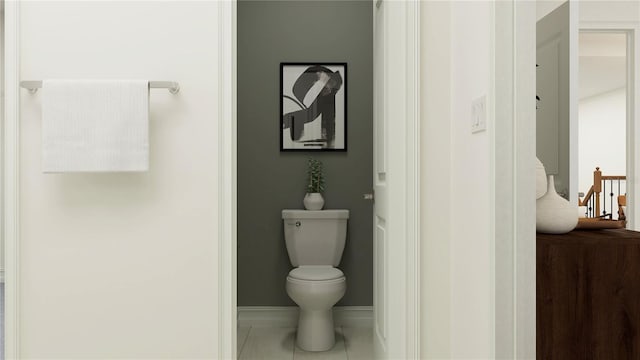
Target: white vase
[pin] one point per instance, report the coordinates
(554, 214)
(313, 201)
(582, 212)
(541, 179)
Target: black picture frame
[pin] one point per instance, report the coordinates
(320, 125)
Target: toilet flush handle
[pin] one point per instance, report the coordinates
(298, 224)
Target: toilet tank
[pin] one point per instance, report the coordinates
(315, 237)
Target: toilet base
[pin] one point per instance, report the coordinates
(315, 299)
(315, 330)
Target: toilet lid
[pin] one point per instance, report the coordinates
(316, 272)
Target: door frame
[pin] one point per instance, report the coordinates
(227, 165)
(513, 200)
(632, 30)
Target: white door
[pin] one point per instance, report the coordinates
(557, 122)
(380, 304)
(395, 179)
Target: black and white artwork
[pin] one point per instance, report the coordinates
(313, 106)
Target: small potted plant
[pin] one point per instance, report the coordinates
(313, 200)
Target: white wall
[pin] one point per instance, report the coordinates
(457, 245)
(123, 265)
(471, 293)
(435, 165)
(609, 10)
(457, 307)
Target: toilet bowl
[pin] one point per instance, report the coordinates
(315, 289)
(315, 241)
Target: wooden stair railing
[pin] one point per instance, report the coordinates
(596, 189)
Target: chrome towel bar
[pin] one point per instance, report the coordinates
(172, 86)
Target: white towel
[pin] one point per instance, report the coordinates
(95, 125)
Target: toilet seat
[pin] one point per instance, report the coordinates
(316, 273)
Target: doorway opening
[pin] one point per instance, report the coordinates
(602, 120)
(300, 65)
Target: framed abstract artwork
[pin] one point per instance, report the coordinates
(313, 106)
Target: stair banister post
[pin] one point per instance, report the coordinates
(597, 188)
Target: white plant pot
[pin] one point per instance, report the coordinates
(313, 201)
(554, 214)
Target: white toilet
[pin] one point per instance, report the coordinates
(315, 241)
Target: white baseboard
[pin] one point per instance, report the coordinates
(287, 316)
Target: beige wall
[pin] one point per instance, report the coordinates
(123, 265)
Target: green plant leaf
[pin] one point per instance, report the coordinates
(315, 175)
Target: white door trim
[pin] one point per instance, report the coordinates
(227, 161)
(11, 179)
(412, 178)
(632, 29)
(513, 195)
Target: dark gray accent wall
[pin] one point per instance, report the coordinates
(271, 32)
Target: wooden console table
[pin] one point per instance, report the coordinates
(588, 295)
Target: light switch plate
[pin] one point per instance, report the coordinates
(479, 114)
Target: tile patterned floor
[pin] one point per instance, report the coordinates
(278, 343)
